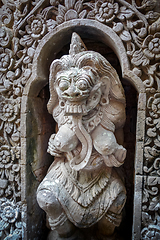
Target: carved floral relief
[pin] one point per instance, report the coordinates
(23, 25)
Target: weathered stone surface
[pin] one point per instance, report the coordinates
(32, 33)
(87, 101)
(138, 158)
(140, 126)
(137, 208)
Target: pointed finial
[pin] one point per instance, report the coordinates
(77, 45)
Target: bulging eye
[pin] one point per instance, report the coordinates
(82, 85)
(63, 85)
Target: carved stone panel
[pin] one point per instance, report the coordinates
(32, 33)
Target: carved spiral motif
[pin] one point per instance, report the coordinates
(6, 156)
(6, 60)
(151, 233)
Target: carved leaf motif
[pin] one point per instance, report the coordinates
(8, 127)
(83, 14)
(26, 41)
(156, 121)
(71, 14)
(148, 141)
(26, 60)
(142, 33)
(90, 4)
(152, 181)
(151, 132)
(59, 19)
(78, 6)
(15, 136)
(118, 27)
(149, 104)
(150, 153)
(5, 37)
(155, 204)
(51, 24)
(61, 10)
(155, 27)
(125, 13)
(145, 196)
(152, 16)
(157, 141)
(69, 3)
(125, 36)
(146, 219)
(14, 236)
(45, 13)
(6, 16)
(157, 165)
(148, 4)
(138, 24)
(3, 225)
(16, 168)
(139, 58)
(91, 15)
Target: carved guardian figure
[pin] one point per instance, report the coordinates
(82, 187)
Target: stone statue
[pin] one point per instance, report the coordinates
(82, 187)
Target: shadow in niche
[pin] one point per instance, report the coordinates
(124, 232)
(39, 126)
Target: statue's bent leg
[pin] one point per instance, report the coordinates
(56, 217)
(113, 217)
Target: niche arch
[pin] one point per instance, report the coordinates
(37, 124)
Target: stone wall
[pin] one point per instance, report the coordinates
(32, 34)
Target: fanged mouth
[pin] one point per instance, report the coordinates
(73, 108)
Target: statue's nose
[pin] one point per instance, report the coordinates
(72, 91)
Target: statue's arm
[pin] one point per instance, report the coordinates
(64, 140)
(105, 143)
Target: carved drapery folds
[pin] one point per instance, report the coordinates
(23, 25)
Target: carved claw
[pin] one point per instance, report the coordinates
(117, 158)
(120, 154)
(52, 149)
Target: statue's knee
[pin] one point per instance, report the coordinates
(49, 203)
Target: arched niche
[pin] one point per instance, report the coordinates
(37, 124)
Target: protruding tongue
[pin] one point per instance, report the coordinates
(82, 159)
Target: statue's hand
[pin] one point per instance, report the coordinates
(116, 159)
(106, 144)
(63, 141)
(120, 153)
(52, 148)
